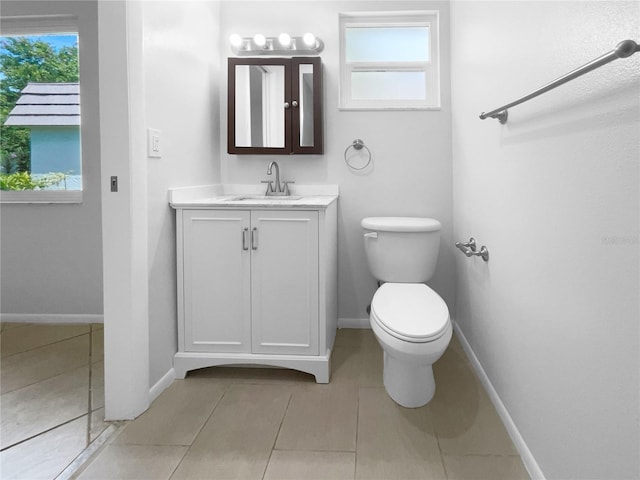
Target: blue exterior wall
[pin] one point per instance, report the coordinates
(55, 149)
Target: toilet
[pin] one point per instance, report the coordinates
(410, 320)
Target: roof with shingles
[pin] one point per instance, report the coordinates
(43, 104)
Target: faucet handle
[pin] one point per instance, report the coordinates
(269, 186)
(286, 186)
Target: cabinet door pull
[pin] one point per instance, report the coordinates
(245, 232)
(254, 238)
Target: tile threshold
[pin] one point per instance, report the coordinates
(85, 457)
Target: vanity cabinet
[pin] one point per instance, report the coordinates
(274, 106)
(256, 286)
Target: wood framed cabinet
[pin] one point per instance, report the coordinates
(274, 106)
(256, 286)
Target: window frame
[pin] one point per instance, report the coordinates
(431, 68)
(45, 25)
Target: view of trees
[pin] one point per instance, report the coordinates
(24, 60)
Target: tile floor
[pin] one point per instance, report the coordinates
(241, 423)
(51, 396)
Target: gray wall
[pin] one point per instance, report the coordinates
(181, 83)
(411, 149)
(553, 316)
(52, 254)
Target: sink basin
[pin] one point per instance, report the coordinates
(276, 198)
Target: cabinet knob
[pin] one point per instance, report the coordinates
(294, 103)
(286, 105)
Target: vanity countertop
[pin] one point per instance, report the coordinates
(252, 196)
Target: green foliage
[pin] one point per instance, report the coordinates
(24, 181)
(24, 60)
(15, 156)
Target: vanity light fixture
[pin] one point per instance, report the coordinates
(309, 40)
(283, 44)
(284, 39)
(260, 40)
(235, 40)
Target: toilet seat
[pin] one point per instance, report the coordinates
(412, 312)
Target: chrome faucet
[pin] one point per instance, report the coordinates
(281, 190)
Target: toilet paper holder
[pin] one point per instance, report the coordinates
(469, 249)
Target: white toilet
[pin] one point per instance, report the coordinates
(409, 319)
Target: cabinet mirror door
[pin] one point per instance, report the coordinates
(305, 113)
(258, 119)
(259, 106)
(307, 105)
(305, 78)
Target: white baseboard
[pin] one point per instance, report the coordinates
(161, 385)
(353, 323)
(51, 318)
(525, 454)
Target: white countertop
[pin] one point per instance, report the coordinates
(251, 196)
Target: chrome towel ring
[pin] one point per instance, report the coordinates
(357, 145)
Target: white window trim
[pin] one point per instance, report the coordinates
(431, 68)
(36, 25)
(40, 196)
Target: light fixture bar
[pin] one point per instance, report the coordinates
(283, 44)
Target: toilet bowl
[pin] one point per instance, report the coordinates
(410, 320)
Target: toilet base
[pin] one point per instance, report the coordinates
(410, 386)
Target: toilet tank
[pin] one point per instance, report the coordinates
(401, 249)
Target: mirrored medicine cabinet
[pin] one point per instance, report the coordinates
(275, 106)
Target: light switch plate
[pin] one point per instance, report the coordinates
(154, 144)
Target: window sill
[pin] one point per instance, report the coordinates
(389, 107)
(41, 196)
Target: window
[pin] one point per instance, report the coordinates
(40, 128)
(389, 60)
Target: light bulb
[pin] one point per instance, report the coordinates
(259, 40)
(284, 39)
(235, 40)
(309, 39)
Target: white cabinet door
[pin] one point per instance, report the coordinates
(284, 282)
(217, 288)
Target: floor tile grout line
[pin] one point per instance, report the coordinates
(312, 450)
(152, 444)
(66, 422)
(482, 455)
(195, 437)
(47, 344)
(444, 465)
(19, 325)
(45, 379)
(37, 348)
(275, 439)
(84, 458)
(186, 451)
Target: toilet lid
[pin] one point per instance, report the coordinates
(410, 311)
(401, 224)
